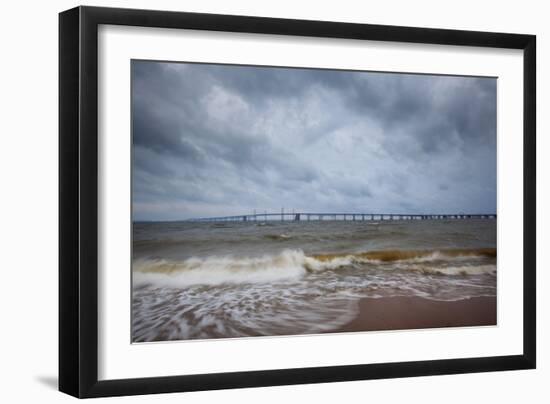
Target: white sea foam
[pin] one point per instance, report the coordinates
(219, 270)
(285, 293)
(289, 265)
(463, 270)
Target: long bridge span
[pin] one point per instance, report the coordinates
(307, 216)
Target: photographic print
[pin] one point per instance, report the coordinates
(272, 201)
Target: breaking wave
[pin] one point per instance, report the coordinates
(415, 255)
(294, 264)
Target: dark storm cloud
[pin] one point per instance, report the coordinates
(220, 140)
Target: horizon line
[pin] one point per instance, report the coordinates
(244, 217)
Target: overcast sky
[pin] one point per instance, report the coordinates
(213, 140)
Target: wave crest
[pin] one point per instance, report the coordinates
(414, 255)
(218, 270)
(294, 264)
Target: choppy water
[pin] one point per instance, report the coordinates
(234, 279)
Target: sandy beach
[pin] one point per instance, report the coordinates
(400, 313)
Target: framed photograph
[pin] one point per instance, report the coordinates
(250, 201)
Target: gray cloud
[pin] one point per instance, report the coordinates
(221, 140)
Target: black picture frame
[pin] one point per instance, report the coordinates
(78, 201)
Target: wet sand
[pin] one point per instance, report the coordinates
(402, 313)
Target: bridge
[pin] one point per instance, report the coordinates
(301, 216)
